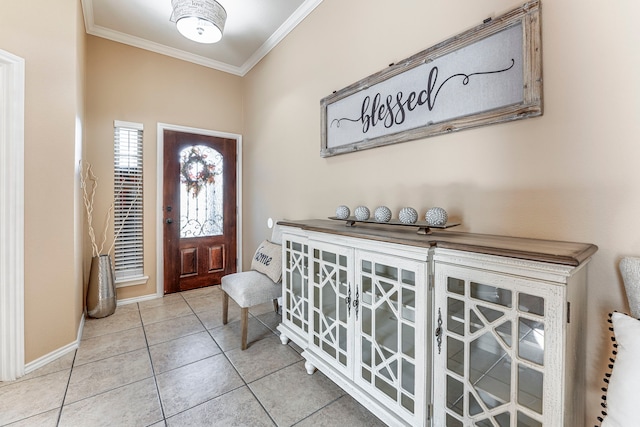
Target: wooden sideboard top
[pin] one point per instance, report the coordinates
(551, 251)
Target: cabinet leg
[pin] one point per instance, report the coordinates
(284, 339)
(309, 367)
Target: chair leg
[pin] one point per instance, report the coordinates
(275, 305)
(225, 307)
(244, 319)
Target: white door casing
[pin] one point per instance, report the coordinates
(12, 86)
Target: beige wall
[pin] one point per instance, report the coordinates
(53, 62)
(130, 84)
(568, 175)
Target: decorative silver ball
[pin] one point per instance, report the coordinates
(408, 216)
(342, 212)
(436, 216)
(382, 214)
(362, 213)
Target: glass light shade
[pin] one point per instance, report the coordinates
(199, 30)
(199, 20)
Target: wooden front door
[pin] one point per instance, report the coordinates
(199, 210)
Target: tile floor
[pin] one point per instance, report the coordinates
(171, 362)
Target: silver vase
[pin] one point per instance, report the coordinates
(101, 292)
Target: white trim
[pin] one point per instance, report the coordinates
(62, 351)
(48, 358)
(298, 16)
(56, 354)
(130, 125)
(12, 86)
(132, 281)
(145, 44)
(134, 300)
(160, 217)
(128, 207)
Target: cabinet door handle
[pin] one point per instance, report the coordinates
(439, 332)
(356, 303)
(348, 301)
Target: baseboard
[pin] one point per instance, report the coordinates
(56, 354)
(139, 299)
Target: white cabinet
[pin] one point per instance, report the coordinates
(333, 295)
(445, 330)
(366, 328)
(390, 350)
(295, 291)
(499, 343)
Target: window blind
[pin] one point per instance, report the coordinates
(128, 203)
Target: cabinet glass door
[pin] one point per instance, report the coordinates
(493, 351)
(390, 339)
(296, 290)
(331, 296)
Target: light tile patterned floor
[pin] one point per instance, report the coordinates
(171, 362)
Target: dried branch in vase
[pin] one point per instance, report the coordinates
(89, 184)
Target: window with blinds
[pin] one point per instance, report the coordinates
(127, 209)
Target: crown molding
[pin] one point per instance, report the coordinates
(141, 43)
(298, 16)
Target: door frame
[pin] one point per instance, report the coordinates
(159, 199)
(12, 94)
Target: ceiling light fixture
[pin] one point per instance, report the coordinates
(199, 20)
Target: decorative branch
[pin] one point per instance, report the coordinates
(89, 183)
(124, 221)
(86, 176)
(106, 228)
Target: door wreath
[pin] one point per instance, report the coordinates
(196, 171)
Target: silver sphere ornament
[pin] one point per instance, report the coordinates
(362, 213)
(436, 216)
(382, 214)
(408, 216)
(342, 212)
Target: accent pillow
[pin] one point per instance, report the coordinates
(268, 260)
(623, 393)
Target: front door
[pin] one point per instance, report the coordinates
(199, 210)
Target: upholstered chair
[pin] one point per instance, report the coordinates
(630, 270)
(257, 286)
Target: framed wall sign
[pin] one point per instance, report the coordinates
(489, 74)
